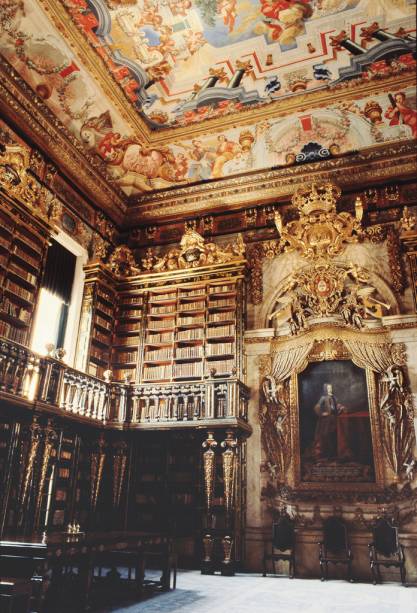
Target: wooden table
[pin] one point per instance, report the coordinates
(44, 556)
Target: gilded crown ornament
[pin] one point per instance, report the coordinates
(318, 198)
(320, 231)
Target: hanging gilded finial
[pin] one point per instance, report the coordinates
(407, 221)
(358, 209)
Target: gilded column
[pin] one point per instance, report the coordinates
(35, 437)
(98, 456)
(119, 461)
(229, 469)
(209, 465)
(50, 438)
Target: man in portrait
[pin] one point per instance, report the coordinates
(329, 441)
(335, 432)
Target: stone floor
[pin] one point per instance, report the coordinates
(252, 593)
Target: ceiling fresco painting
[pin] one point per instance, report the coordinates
(219, 60)
(187, 60)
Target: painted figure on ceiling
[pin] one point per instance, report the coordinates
(226, 150)
(227, 9)
(126, 156)
(199, 164)
(285, 18)
(401, 113)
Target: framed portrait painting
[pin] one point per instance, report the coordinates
(335, 424)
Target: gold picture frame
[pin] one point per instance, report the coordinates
(294, 478)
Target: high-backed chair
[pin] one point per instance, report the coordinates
(15, 595)
(385, 550)
(282, 544)
(334, 548)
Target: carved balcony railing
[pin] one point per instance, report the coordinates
(215, 399)
(46, 381)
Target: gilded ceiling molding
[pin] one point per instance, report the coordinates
(283, 107)
(95, 65)
(359, 169)
(20, 105)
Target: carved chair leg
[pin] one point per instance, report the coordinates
(350, 576)
(374, 574)
(327, 571)
(292, 568)
(379, 574)
(322, 571)
(403, 573)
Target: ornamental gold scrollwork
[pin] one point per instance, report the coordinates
(229, 467)
(97, 458)
(122, 262)
(194, 251)
(324, 289)
(16, 178)
(209, 466)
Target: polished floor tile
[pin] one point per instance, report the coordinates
(251, 593)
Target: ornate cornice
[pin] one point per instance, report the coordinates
(368, 166)
(97, 68)
(20, 105)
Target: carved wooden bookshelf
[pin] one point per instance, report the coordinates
(23, 246)
(97, 323)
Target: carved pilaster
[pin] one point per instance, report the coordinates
(255, 255)
(395, 260)
(209, 465)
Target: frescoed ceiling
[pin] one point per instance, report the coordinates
(183, 61)
(138, 81)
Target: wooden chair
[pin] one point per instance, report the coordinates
(162, 557)
(15, 595)
(334, 548)
(282, 544)
(385, 543)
